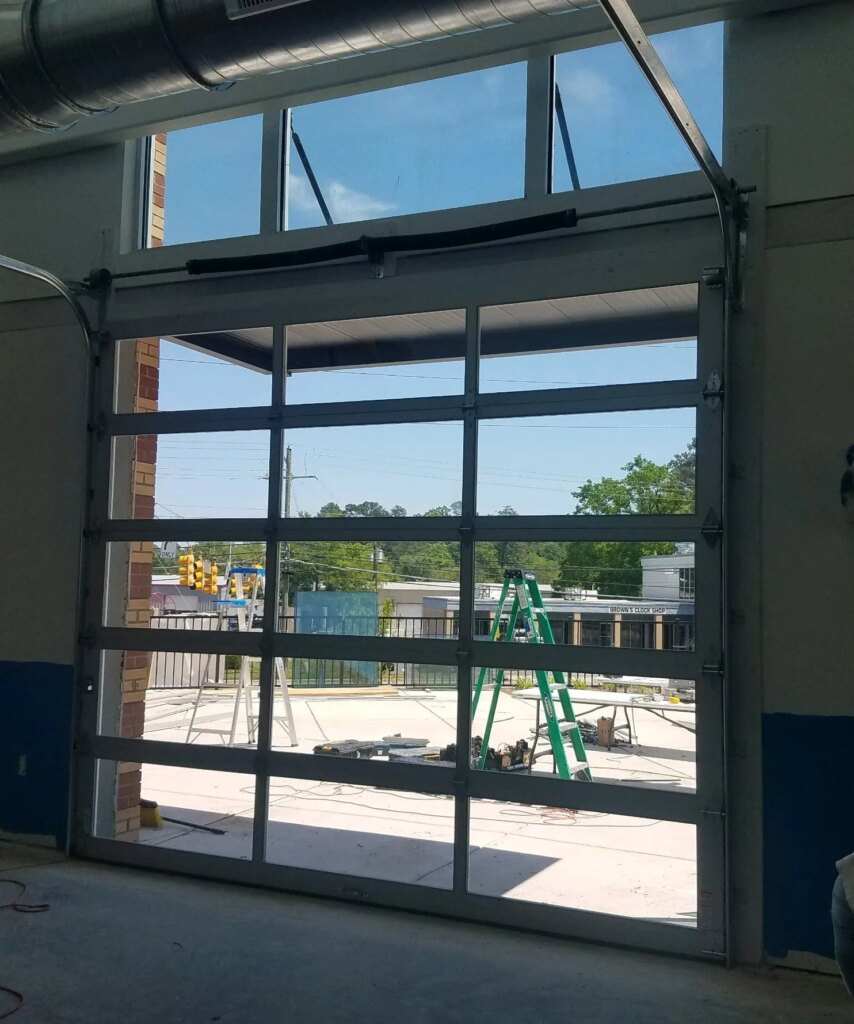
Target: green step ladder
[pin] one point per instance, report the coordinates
(527, 602)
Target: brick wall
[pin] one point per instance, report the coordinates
(135, 664)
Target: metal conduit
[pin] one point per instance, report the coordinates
(61, 60)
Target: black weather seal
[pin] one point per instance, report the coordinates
(375, 247)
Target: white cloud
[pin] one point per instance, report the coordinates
(300, 194)
(585, 88)
(345, 204)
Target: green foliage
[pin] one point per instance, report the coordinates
(613, 568)
(647, 488)
(523, 683)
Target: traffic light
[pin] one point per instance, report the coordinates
(185, 569)
(211, 575)
(198, 575)
(232, 588)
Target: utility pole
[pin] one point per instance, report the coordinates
(286, 565)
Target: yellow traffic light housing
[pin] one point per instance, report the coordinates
(185, 569)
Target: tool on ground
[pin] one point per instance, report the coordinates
(527, 603)
(150, 817)
(370, 748)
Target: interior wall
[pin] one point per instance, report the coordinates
(792, 541)
(42, 426)
(63, 215)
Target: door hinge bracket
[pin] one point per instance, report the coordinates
(712, 528)
(713, 277)
(713, 392)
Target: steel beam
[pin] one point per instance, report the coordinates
(637, 42)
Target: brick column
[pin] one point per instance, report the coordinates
(136, 664)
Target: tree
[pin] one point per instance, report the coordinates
(647, 488)
(683, 467)
(331, 565)
(365, 508)
(611, 567)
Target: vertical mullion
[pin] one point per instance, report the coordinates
(466, 611)
(272, 167)
(285, 173)
(709, 625)
(267, 681)
(94, 799)
(539, 127)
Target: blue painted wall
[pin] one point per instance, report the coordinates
(808, 780)
(36, 700)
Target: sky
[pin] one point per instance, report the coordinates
(433, 145)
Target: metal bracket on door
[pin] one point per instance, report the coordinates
(713, 392)
(712, 528)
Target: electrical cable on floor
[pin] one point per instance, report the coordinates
(16, 995)
(21, 908)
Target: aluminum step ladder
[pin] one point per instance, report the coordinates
(243, 695)
(527, 603)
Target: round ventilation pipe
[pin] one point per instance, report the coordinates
(61, 60)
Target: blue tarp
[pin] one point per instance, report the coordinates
(338, 613)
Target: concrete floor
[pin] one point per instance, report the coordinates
(609, 863)
(127, 946)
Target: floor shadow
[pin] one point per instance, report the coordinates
(396, 858)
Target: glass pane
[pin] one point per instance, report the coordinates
(428, 146)
(213, 181)
(387, 711)
(583, 583)
(363, 831)
(169, 376)
(365, 588)
(183, 697)
(608, 863)
(387, 470)
(198, 811)
(628, 463)
(585, 728)
(405, 356)
(594, 594)
(192, 476)
(618, 130)
(558, 343)
(207, 585)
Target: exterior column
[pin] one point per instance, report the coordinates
(135, 664)
(659, 632)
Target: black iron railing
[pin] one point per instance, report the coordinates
(184, 671)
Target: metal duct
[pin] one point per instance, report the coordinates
(64, 59)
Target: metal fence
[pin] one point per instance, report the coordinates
(171, 670)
